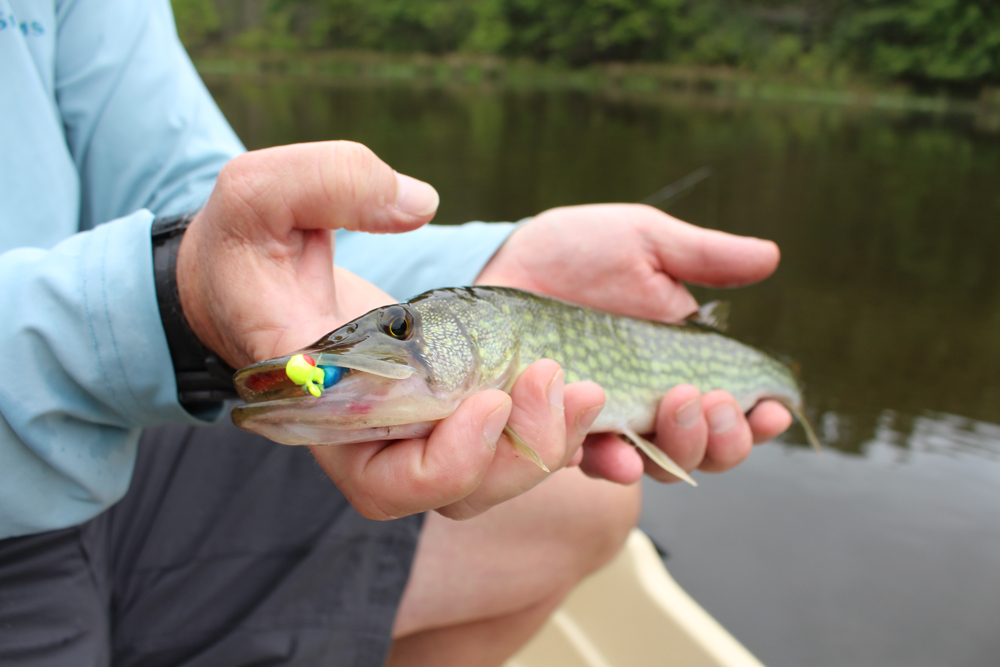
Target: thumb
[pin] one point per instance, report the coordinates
(327, 185)
(709, 257)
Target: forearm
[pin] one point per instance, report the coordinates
(142, 129)
(87, 367)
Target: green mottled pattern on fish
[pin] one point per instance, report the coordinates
(397, 370)
(635, 361)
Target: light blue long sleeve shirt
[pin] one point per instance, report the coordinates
(106, 125)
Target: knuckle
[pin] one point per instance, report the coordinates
(460, 511)
(352, 152)
(648, 210)
(732, 452)
(240, 186)
(356, 175)
(370, 508)
(441, 489)
(235, 176)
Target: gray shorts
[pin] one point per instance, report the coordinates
(227, 550)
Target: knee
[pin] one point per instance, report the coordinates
(593, 525)
(526, 553)
(611, 512)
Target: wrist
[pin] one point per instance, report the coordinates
(203, 378)
(503, 265)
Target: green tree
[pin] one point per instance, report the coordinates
(924, 41)
(431, 26)
(197, 20)
(931, 43)
(583, 31)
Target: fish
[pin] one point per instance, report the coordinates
(398, 370)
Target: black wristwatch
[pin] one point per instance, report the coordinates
(203, 379)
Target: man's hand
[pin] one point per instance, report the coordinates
(631, 259)
(256, 279)
(254, 269)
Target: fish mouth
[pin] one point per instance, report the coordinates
(269, 380)
(357, 408)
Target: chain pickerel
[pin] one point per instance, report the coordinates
(398, 370)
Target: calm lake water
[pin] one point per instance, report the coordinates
(885, 550)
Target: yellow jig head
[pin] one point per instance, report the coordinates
(302, 370)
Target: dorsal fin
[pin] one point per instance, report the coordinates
(714, 315)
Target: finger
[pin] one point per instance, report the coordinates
(681, 431)
(672, 301)
(538, 416)
(607, 456)
(539, 413)
(389, 480)
(709, 257)
(729, 436)
(768, 420)
(327, 185)
(583, 403)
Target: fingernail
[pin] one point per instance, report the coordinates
(721, 418)
(688, 414)
(415, 197)
(587, 418)
(494, 425)
(556, 390)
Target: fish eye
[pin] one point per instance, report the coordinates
(397, 322)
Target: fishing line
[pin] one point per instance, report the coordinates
(677, 188)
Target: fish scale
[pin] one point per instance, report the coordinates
(635, 361)
(412, 364)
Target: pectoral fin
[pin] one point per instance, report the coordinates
(657, 456)
(712, 315)
(524, 448)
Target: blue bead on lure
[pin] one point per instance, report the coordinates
(332, 375)
(303, 371)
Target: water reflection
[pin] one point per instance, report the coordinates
(948, 434)
(889, 558)
(889, 291)
(885, 549)
(938, 433)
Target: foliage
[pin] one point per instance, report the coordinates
(430, 26)
(274, 34)
(946, 41)
(929, 42)
(584, 31)
(196, 20)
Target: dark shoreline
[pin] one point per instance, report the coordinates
(619, 79)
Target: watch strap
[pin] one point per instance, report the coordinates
(203, 378)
